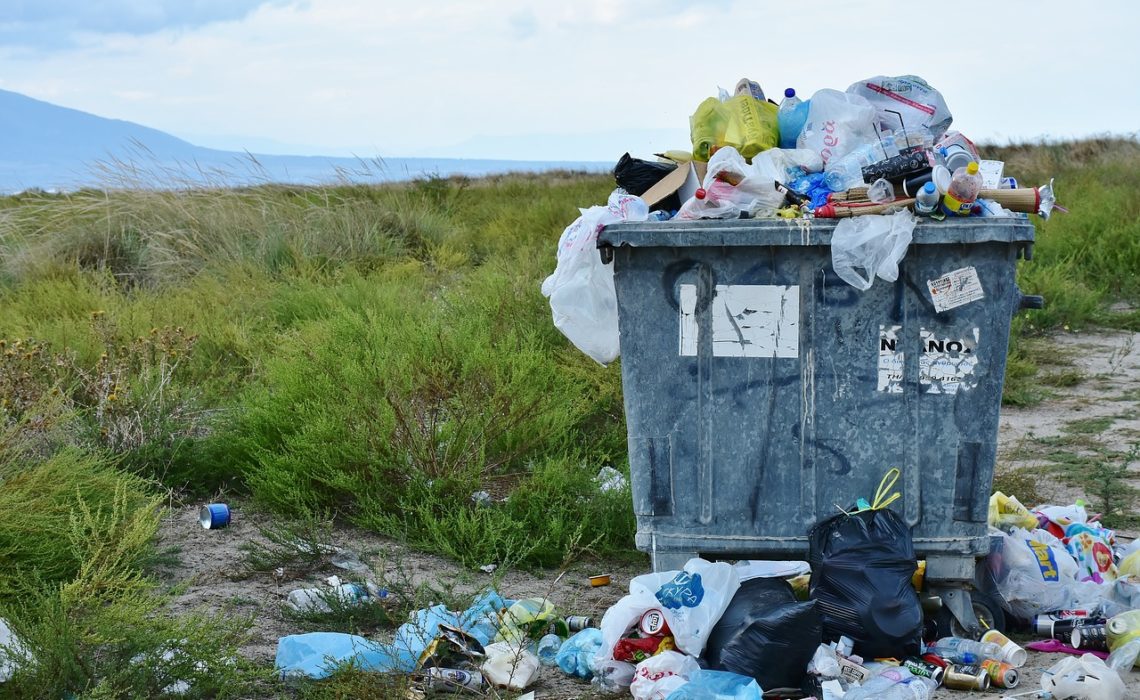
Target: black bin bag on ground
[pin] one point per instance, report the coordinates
(765, 633)
(636, 176)
(861, 569)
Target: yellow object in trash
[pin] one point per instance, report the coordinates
(1123, 629)
(916, 580)
(1006, 512)
(527, 617)
(743, 122)
(1129, 565)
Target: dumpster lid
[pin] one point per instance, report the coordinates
(802, 232)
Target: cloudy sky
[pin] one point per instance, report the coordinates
(580, 80)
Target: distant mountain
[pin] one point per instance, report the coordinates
(51, 147)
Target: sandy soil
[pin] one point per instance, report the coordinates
(212, 564)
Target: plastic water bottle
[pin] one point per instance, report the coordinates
(791, 117)
(548, 648)
(847, 172)
(964, 187)
(926, 201)
(877, 686)
(964, 651)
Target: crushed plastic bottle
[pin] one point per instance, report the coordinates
(847, 172)
(964, 651)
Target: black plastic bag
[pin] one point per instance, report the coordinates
(862, 566)
(765, 633)
(636, 176)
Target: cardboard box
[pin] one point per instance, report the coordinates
(684, 181)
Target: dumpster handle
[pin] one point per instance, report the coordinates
(607, 253)
(1031, 301)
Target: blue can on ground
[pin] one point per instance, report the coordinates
(214, 516)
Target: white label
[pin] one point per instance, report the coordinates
(955, 289)
(991, 171)
(748, 320)
(947, 365)
(891, 360)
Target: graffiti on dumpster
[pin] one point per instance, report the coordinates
(748, 320)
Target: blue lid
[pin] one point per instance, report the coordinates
(789, 92)
(928, 187)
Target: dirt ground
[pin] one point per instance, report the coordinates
(212, 564)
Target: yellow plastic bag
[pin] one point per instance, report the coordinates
(1129, 565)
(1007, 511)
(743, 122)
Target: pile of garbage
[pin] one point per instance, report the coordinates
(878, 157)
(848, 623)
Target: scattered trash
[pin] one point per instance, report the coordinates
(321, 600)
(610, 479)
(600, 580)
(658, 676)
(481, 498)
(488, 568)
(1086, 677)
(453, 679)
(214, 516)
(717, 685)
(577, 655)
(350, 561)
(12, 652)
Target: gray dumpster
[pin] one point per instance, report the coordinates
(762, 392)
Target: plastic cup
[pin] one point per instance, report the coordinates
(1011, 653)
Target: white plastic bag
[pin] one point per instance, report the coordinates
(732, 186)
(905, 101)
(873, 244)
(648, 679)
(837, 123)
(624, 615)
(581, 290)
(1086, 677)
(508, 665)
(694, 599)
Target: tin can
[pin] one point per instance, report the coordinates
(1001, 674)
(1090, 638)
(1063, 629)
(214, 516)
(600, 580)
(897, 168)
(577, 623)
(653, 623)
(851, 671)
(924, 668)
(1043, 624)
(966, 677)
(453, 679)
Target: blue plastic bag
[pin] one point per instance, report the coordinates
(576, 655)
(317, 654)
(718, 685)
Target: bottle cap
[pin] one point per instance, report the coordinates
(972, 167)
(929, 188)
(789, 92)
(700, 193)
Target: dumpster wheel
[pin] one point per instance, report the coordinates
(987, 609)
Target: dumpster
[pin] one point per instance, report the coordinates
(763, 393)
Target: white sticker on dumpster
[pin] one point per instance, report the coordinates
(947, 365)
(891, 360)
(955, 289)
(748, 320)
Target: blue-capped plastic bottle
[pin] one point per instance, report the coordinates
(790, 117)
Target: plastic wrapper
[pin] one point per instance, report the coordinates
(1086, 677)
(732, 186)
(1006, 512)
(581, 290)
(862, 566)
(864, 247)
(1091, 547)
(905, 101)
(837, 123)
(718, 685)
(766, 633)
(651, 675)
(613, 677)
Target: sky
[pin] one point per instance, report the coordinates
(569, 80)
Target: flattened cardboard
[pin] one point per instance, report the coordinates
(685, 181)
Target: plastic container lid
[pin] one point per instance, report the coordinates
(940, 176)
(789, 92)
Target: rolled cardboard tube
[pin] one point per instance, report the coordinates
(1024, 199)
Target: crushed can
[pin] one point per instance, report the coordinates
(453, 679)
(1002, 674)
(966, 677)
